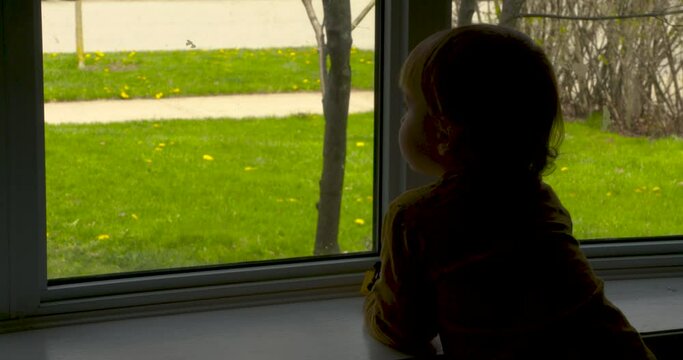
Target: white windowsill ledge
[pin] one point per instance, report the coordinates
(325, 329)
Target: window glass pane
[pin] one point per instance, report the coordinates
(190, 133)
(620, 170)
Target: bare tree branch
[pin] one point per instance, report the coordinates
(313, 18)
(320, 40)
(598, 18)
(466, 11)
(362, 14)
(511, 8)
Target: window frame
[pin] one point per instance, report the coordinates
(24, 290)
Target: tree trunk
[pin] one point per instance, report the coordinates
(79, 34)
(511, 9)
(337, 25)
(466, 11)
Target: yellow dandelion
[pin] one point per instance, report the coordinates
(161, 145)
(359, 221)
(175, 90)
(369, 62)
(88, 56)
(105, 70)
(99, 53)
(207, 157)
(609, 193)
(564, 169)
(124, 95)
(308, 62)
(97, 58)
(361, 61)
(102, 237)
(656, 189)
(249, 168)
(125, 87)
(317, 81)
(131, 54)
(53, 55)
(158, 95)
(295, 87)
(360, 144)
(134, 216)
(292, 53)
(305, 81)
(158, 149)
(279, 52)
(292, 200)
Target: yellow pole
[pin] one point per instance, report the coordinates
(79, 34)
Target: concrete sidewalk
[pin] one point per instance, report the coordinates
(233, 106)
(124, 25)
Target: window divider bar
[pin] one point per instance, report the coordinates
(617, 248)
(24, 267)
(202, 279)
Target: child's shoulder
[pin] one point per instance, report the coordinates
(411, 197)
(556, 212)
(426, 202)
(422, 196)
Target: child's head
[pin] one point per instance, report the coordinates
(481, 98)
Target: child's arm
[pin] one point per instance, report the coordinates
(400, 310)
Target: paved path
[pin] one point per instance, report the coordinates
(234, 106)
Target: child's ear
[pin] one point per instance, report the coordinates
(445, 134)
(445, 128)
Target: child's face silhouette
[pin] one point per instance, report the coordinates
(417, 137)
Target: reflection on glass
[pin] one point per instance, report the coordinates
(619, 172)
(186, 139)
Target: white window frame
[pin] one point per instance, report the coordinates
(27, 300)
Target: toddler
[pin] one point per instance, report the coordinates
(485, 257)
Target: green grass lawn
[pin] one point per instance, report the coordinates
(616, 186)
(146, 195)
(160, 74)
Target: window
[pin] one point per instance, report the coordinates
(24, 176)
(617, 173)
(232, 175)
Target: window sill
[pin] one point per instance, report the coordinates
(330, 329)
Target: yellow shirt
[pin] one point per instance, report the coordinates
(494, 270)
